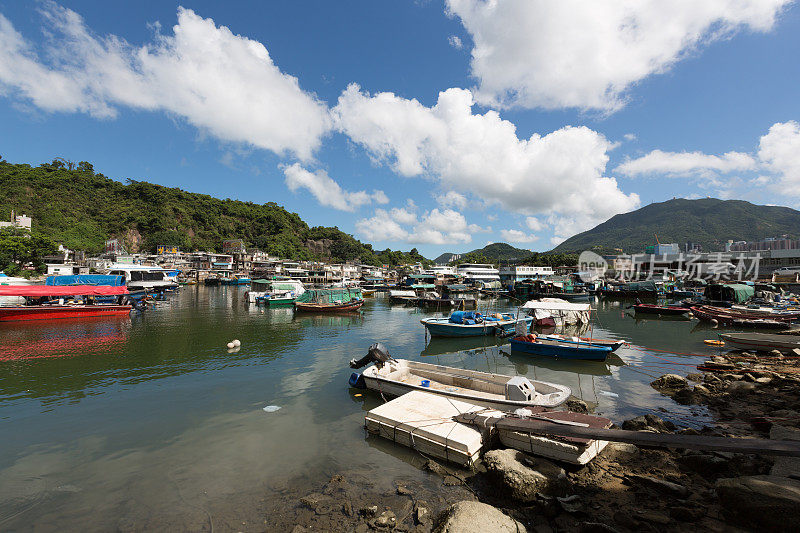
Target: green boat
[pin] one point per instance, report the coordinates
(275, 293)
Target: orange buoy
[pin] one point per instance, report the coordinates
(712, 342)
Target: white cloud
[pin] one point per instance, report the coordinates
(515, 235)
(434, 227)
(534, 224)
(573, 53)
(224, 84)
(630, 137)
(455, 42)
(561, 172)
(452, 199)
(779, 150)
(686, 164)
(381, 228)
(555, 241)
(327, 191)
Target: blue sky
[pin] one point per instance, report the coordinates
(551, 118)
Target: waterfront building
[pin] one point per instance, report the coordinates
(512, 273)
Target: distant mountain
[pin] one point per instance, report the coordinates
(497, 251)
(709, 222)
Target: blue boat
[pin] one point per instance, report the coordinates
(473, 324)
(561, 349)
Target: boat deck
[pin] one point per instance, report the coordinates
(413, 379)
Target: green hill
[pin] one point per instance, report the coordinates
(81, 209)
(491, 253)
(709, 222)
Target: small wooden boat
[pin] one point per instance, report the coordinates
(665, 310)
(480, 325)
(761, 342)
(558, 348)
(352, 305)
(613, 344)
(707, 313)
(496, 391)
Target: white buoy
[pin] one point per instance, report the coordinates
(231, 345)
(237, 342)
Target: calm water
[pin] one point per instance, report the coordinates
(149, 422)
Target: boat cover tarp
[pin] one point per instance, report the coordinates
(561, 305)
(634, 286)
(731, 292)
(39, 291)
(85, 279)
(491, 285)
(329, 295)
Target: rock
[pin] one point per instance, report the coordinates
(711, 378)
(476, 517)
(741, 388)
(688, 431)
(524, 476)
(657, 423)
(451, 481)
(421, 513)
(705, 464)
(763, 502)
(319, 503)
(362, 528)
(731, 377)
(571, 504)
(577, 406)
(347, 508)
(627, 520)
(686, 514)
(749, 377)
(596, 527)
(655, 517)
(402, 490)
(660, 485)
(763, 381)
(697, 376)
(785, 466)
(369, 511)
(432, 466)
(635, 424)
(778, 353)
(615, 450)
(299, 529)
(685, 396)
(386, 520)
(669, 382)
(702, 390)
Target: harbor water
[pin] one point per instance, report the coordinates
(150, 422)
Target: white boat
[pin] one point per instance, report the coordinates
(285, 288)
(396, 377)
(143, 277)
(761, 342)
(562, 312)
(11, 280)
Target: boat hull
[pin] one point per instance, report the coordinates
(562, 350)
(556, 394)
(10, 314)
(760, 342)
(353, 305)
(649, 309)
(443, 328)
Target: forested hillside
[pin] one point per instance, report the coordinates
(82, 208)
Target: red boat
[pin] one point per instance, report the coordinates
(352, 305)
(665, 310)
(48, 311)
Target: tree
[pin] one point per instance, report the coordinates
(18, 248)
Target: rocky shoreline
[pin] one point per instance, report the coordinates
(626, 488)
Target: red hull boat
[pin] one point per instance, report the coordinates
(51, 312)
(352, 305)
(665, 310)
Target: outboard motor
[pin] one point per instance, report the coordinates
(377, 354)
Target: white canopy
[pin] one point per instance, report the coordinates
(556, 305)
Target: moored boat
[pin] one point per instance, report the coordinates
(352, 305)
(761, 342)
(472, 324)
(613, 344)
(559, 348)
(48, 310)
(664, 310)
(396, 377)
